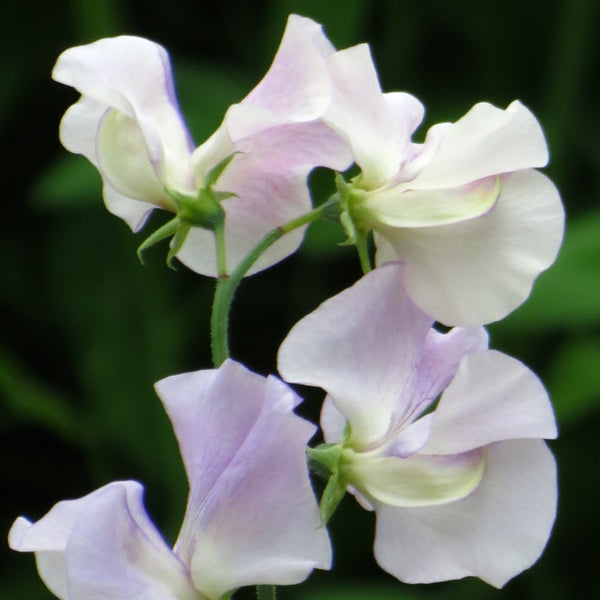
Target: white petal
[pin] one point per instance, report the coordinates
(252, 517)
(371, 122)
(427, 208)
(416, 480)
(123, 158)
(493, 397)
(479, 270)
(133, 76)
(495, 533)
(486, 141)
(133, 212)
(363, 347)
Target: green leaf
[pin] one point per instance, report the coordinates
(574, 381)
(30, 399)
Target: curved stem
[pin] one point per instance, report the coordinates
(227, 286)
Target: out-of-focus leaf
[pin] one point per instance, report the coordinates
(205, 92)
(70, 182)
(28, 398)
(574, 381)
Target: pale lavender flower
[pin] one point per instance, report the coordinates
(251, 516)
(463, 487)
(466, 212)
(128, 124)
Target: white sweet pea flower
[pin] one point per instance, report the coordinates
(466, 212)
(128, 124)
(251, 516)
(464, 487)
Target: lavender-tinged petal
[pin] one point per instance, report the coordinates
(369, 121)
(118, 553)
(486, 141)
(297, 86)
(494, 533)
(268, 178)
(104, 546)
(478, 271)
(493, 397)
(252, 517)
(410, 439)
(440, 358)
(363, 347)
(417, 480)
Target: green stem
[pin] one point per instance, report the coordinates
(362, 245)
(266, 592)
(227, 286)
(220, 248)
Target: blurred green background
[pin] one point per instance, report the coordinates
(86, 330)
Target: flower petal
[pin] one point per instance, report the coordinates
(377, 127)
(268, 178)
(362, 346)
(104, 546)
(486, 141)
(478, 271)
(416, 480)
(494, 533)
(297, 86)
(133, 76)
(427, 208)
(493, 397)
(252, 517)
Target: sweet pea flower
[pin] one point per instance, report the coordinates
(251, 516)
(252, 172)
(465, 211)
(463, 487)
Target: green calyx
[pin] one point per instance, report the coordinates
(325, 460)
(202, 210)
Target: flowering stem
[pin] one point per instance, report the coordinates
(362, 245)
(219, 233)
(227, 285)
(266, 592)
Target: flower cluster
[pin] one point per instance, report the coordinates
(438, 434)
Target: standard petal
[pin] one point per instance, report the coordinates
(268, 177)
(133, 75)
(370, 121)
(495, 533)
(416, 480)
(363, 347)
(493, 397)
(478, 271)
(104, 546)
(252, 517)
(297, 86)
(486, 141)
